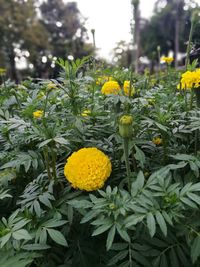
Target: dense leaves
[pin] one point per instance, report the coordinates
(146, 216)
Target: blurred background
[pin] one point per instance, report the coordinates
(35, 33)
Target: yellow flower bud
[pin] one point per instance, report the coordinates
(157, 141)
(38, 114)
(125, 126)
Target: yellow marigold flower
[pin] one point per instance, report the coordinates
(87, 169)
(51, 86)
(127, 90)
(110, 87)
(167, 60)
(189, 80)
(86, 113)
(38, 114)
(102, 79)
(157, 141)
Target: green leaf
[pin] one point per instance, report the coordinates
(31, 247)
(195, 249)
(167, 217)
(44, 143)
(5, 239)
(80, 204)
(133, 220)
(58, 237)
(194, 168)
(45, 200)
(151, 224)
(123, 233)
(37, 208)
(138, 184)
(194, 197)
(89, 215)
(101, 229)
(185, 157)
(54, 223)
(188, 202)
(21, 234)
(61, 141)
(163, 261)
(173, 258)
(119, 256)
(110, 237)
(184, 258)
(161, 222)
(20, 224)
(140, 156)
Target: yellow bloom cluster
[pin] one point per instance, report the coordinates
(87, 169)
(38, 114)
(127, 90)
(189, 80)
(86, 113)
(110, 87)
(51, 86)
(113, 88)
(157, 141)
(167, 60)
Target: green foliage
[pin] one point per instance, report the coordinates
(148, 216)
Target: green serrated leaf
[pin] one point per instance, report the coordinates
(161, 222)
(151, 224)
(57, 236)
(110, 237)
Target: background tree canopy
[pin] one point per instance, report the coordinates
(39, 34)
(168, 28)
(35, 33)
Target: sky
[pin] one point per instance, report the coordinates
(111, 20)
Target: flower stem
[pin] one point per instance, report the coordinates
(189, 44)
(126, 154)
(54, 157)
(46, 158)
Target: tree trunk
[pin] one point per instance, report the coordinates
(176, 48)
(13, 70)
(136, 34)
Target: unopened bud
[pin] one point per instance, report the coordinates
(125, 126)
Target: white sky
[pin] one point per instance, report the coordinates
(111, 20)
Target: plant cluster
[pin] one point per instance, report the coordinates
(94, 179)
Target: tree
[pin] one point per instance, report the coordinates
(169, 28)
(122, 55)
(40, 32)
(20, 29)
(67, 33)
(136, 34)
